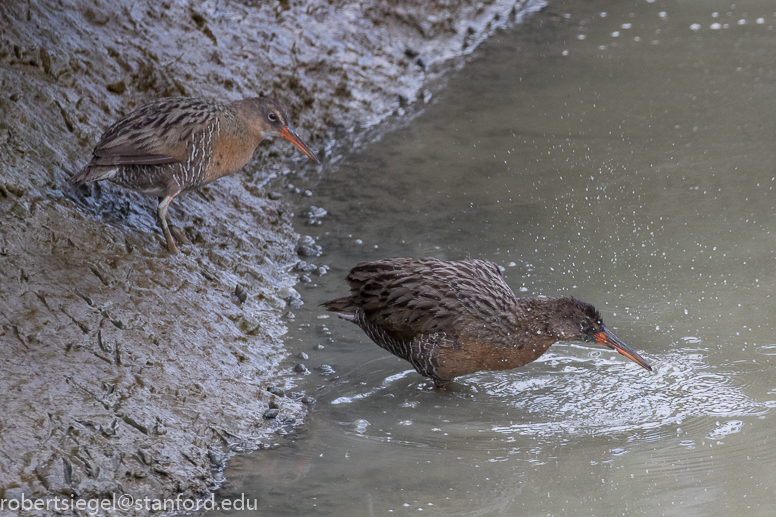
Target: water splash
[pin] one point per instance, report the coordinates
(615, 398)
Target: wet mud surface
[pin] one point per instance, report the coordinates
(126, 370)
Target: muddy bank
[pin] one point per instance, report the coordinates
(126, 370)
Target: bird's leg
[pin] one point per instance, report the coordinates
(440, 384)
(174, 230)
(161, 213)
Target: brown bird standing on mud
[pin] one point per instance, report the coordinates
(178, 144)
(454, 318)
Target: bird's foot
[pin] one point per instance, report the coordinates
(441, 385)
(179, 235)
(171, 247)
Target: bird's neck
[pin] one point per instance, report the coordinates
(248, 120)
(531, 325)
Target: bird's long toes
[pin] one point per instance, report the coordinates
(171, 247)
(179, 235)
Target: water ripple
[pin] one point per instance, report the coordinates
(617, 397)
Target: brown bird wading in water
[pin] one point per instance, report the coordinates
(454, 318)
(178, 144)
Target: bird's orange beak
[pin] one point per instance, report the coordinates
(609, 340)
(291, 136)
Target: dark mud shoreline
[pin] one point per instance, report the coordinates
(125, 370)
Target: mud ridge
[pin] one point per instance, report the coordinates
(126, 370)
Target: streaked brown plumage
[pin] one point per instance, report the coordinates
(177, 144)
(454, 318)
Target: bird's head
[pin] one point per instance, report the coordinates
(575, 320)
(272, 119)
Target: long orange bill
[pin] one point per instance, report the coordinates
(290, 135)
(608, 339)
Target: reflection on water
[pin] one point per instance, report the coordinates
(623, 156)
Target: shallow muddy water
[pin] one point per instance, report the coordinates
(623, 156)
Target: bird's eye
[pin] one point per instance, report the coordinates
(272, 117)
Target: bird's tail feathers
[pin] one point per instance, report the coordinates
(91, 173)
(342, 307)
